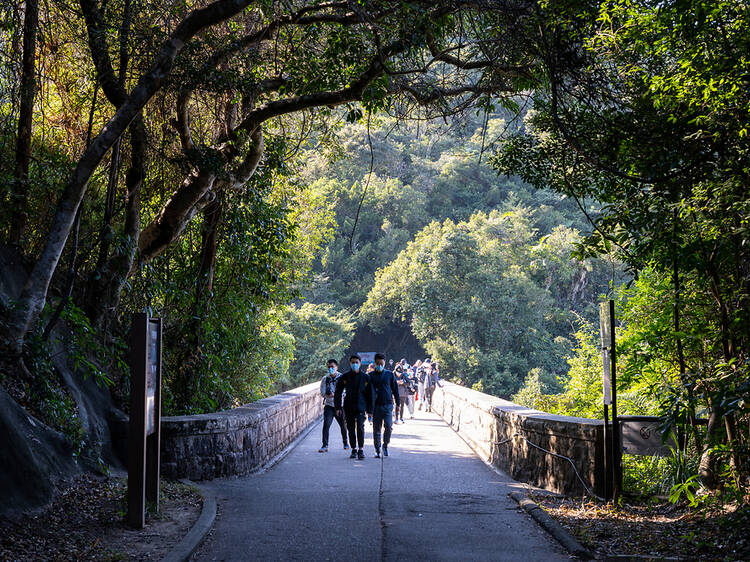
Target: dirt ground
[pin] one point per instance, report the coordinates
(654, 528)
(86, 522)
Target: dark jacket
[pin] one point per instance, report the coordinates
(385, 388)
(358, 392)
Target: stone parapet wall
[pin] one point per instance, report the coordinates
(501, 433)
(237, 441)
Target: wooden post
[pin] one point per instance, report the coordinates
(137, 434)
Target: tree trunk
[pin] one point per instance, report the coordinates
(26, 114)
(209, 245)
(678, 340)
(104, 289)
(707, 469)
(186, 380)
(34, 294)
(190, 198)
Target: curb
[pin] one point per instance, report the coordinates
(188, 545)
(551, 526)
(190, 542)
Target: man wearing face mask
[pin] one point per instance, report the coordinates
(385, 391)
(327, 391)
(356, 403)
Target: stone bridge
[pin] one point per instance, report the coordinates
(441, 494)
(558, 453)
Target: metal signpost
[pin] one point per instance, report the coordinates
(145, 416)
(612, 447)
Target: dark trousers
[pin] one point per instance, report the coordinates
(428, 392)
(329, 412)
(401, 407)
(382, 416)
(355, 425)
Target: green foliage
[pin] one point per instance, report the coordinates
(488, 298)
(650, 118)
(687, 489)
(417, 177)
(321, 332)
(582, 393)
(231, 348)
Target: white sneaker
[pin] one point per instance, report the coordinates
(323, 450)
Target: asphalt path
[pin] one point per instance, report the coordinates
(431, 499)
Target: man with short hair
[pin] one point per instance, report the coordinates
(385, 393)
(356, 403)
(328, 391)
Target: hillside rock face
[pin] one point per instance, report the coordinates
(33, 456)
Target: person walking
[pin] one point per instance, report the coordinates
(419, 375)
(411, 391)
(385, 392)
(431, 381)
(357, 402)
(403, 391)
(328, 391)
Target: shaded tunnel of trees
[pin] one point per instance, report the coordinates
(284, 182)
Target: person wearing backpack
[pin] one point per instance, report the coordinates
(328, 391)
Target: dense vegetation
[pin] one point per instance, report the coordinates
(275, 179)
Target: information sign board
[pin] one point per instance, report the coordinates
(641, 436)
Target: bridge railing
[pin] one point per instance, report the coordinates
(559, 453)
(237, 441)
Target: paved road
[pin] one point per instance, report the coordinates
(432, 499)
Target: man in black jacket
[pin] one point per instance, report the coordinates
(385, 392)
(357, 402)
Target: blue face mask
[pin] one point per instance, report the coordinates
(331, 370)
(379, 368)
(355, 367)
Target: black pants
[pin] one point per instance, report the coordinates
(355, 425)
(400, 409)
(329, 412)
(382, 418)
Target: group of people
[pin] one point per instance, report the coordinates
(373, 392)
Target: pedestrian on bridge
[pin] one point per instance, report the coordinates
(356, 404)
(328, 391)
(431, 381)
(411, 391)
(419, 376)
(385, 391)
(402, 381)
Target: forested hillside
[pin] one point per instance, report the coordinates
(410, 177)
